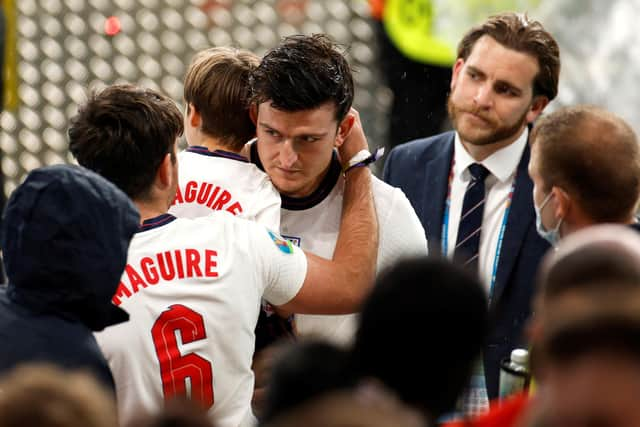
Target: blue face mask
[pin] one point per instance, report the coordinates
(552, 236)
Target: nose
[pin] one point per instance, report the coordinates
(288, 155)
(483, 97)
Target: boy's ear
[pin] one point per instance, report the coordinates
(193, 116)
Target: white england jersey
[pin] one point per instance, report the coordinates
(313, 223)
(219, 180)
(192, 288)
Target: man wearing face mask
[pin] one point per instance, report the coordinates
(585, 167)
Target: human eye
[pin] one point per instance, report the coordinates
(271, 132)
(506, 90)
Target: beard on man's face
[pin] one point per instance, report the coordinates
(494, 132)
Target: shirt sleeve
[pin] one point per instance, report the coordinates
(283, 266)
(401, 233)
(267, 207)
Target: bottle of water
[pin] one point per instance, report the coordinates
(514, 373)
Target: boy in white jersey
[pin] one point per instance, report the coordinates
(193, 287)
(301, 94)
(213, 174)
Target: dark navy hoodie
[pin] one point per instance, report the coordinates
(65, 235)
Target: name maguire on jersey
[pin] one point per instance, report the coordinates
(202, 194)
(166, 266)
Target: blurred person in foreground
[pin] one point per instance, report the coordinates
(193, 287)
(41, 395)
(367, 406)
(594, 264)
(413, 298)
(470, 187)
(588, 365)
(438, 303)
(176, 413)
(585, 167)
(65, 234)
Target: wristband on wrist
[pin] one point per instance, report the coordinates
(363, 158)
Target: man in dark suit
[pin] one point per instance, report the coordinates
(470, 187)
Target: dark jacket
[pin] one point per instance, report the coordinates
(65, 235)
(421, 169)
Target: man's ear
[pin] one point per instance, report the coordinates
(253, 113)
(344, 128)
(537, 105)
(455, 72)
(193, 116)
(164, 175)
(564, 202)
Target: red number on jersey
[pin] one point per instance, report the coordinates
(175, 368)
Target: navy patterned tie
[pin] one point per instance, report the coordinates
(468, 241)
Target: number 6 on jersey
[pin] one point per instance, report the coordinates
(175, 368)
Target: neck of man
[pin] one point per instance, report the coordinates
(479, 152)
(580, 220)
(212, 144)
(150, 209)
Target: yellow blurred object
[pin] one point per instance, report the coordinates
(10, 71)
(409, 24)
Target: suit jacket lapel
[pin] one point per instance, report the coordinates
(435, 191)
(520, 217)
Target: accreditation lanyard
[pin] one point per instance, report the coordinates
(503, 226)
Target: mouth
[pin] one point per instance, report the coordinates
(287, 171)
(478, 118)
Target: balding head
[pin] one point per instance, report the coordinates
(593, 156)
(596, 265)
(598, 258)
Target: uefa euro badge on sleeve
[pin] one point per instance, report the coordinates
(281, 243)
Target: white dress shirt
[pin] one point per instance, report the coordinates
(503, 165)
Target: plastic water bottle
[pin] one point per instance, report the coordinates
(514, 373)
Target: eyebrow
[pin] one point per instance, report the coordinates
(497, 82)
(303, 135)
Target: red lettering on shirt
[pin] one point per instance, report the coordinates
(134, 279)
(193, 258)
(188, 263)
(190, 191)
(121, 292)
(205, 194)
(235, 208)
(178, 198)
(149, 270)
(210, 263)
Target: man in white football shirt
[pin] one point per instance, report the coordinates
(213, 174)
(193, 287)
(301, 95)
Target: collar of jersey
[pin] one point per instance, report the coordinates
(320, 193)
(216, 153)
(155, 222)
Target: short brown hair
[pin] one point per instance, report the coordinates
(123, 133)
(217, 85)
(594, 156)
(517, 32)
(47, 396)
